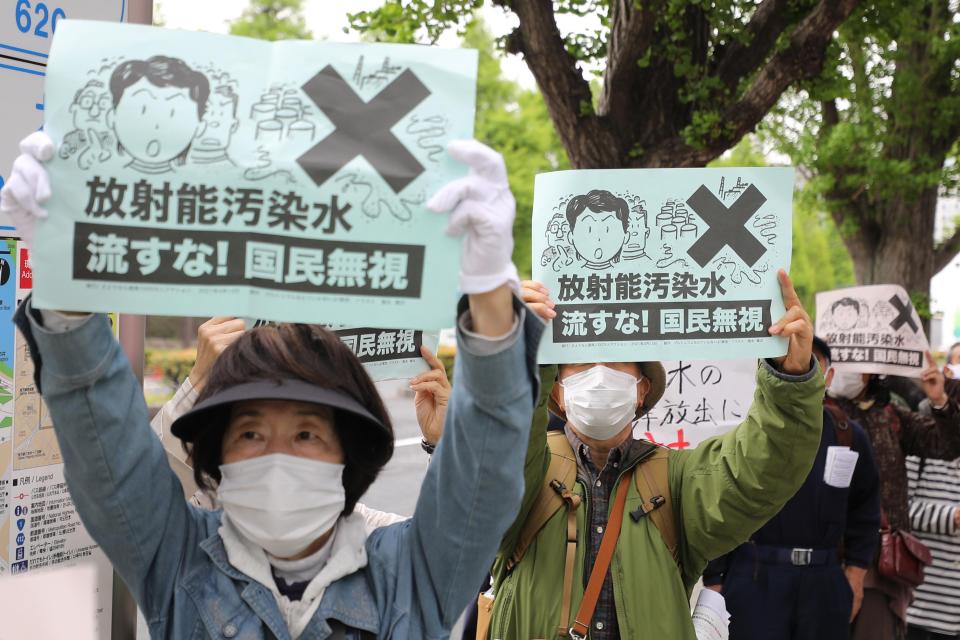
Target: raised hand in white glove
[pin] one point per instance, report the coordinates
(482, 209)
(28, 187)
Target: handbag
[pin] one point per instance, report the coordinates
(902, 556)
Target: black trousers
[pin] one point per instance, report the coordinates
(769, 601)
(919, 633)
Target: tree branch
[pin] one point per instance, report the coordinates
(739, 60)
(946, 251)
(802, 59)
(567, 95)
(631, 35)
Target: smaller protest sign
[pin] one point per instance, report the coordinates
(702, 399)
(386, 354)
(873, 329)
(647, 264)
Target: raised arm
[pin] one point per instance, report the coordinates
(729, 486)
(116, 469)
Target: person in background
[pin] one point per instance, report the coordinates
(800, 576)
(934, 492)
(894, 433)
(431, 396)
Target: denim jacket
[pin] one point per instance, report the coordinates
(420, 573)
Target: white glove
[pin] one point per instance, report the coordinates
(482, 208)
(28, 186)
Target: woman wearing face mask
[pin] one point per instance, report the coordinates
(718, 493)
(895, 433)
(291, 431)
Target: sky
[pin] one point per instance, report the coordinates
(327, 19)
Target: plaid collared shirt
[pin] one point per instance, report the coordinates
(599, 487)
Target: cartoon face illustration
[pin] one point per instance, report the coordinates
(598, 227)
(90, 106)
(558, 231)
(220, 123)
(638, 231)
(220, 119)
(158, 108)
(846, 313)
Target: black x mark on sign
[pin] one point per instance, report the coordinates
(905, 314)
(363, 128)
(725, 227)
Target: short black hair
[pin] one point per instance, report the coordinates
(598, 200)
(849, 302)
(305, 352)
(161, 71)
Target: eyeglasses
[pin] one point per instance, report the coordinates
(87, 101)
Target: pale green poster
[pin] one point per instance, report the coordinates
(200, 174)
(662, 264)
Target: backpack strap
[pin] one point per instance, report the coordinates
(554, 494)
(841, 427)
(654, 488)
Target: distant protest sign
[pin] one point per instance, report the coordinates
(200, 174)
(653, 264)
(873, 329)
(386, 354)
(702, 399)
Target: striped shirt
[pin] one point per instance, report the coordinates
(934, 499)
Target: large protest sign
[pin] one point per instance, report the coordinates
(386, 354)
(873, 329)
(702, 399)
(233, 176)
(647, 264)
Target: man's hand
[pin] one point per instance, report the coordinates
(537, 297)
(795, 325)
(432, 395)
(956, 518)
(855, 576)
(213, 336)
(714, 587)
(934, 383)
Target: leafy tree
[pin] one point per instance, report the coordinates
(514, 121)
(272, 20)
(682, 80)
(878, 133)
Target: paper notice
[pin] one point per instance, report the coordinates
(30, 596)
(710, 618)
(841, 462)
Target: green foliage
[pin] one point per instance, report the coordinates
(414, 21)
(820, 260)
(515, 122)
(172, 364)
(272, 20)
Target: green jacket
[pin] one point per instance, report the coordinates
(722, 491)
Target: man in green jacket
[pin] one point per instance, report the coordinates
(721, 492)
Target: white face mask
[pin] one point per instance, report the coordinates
(955, 368)
(600, 401)
(282, 503)
(846, 385)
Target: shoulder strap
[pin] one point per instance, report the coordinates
(608, 544)
(841, 427)
(654, 488)
(561, 476)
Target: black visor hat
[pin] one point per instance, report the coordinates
(348, 411)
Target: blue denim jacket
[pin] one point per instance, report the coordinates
(421, 573)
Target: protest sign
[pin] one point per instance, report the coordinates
(702, 399)
(647, 264)
(873, 329)
(232, 176)
(386, 354)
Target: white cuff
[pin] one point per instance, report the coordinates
(57, 322)
(483, 283)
